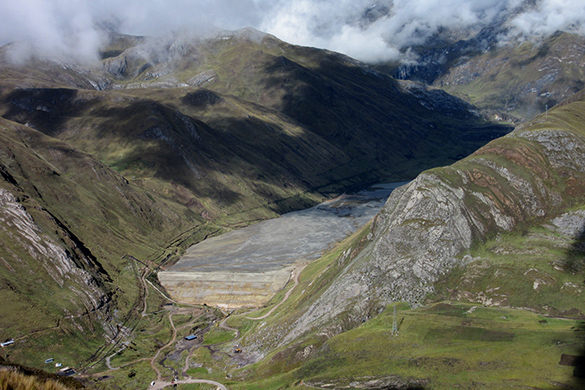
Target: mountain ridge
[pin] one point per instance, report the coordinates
(510, 76)
(112, 175)
(500, 231)
(465, 203)
(116, 178)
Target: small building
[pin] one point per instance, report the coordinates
(190, 337)
(6, 343)
(67, 371)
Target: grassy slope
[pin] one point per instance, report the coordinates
(520, 80)
(19, 381)
(269, 100)
(509, 314)
(342, 101)
(97, 217)
(272, 134)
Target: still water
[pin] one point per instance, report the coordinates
(296, 236)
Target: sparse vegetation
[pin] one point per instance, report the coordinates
(146, 171)
(11, 380)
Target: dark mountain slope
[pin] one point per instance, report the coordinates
(336, 122)
(159, 147)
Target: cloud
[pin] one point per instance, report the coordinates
(549, 16)
(70, 28)
(374, 31)
(55, 27)
(370, 30)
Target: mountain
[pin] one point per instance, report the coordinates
(471, 275)
(521, 80)
(532, 177)
(68, 224)
(110, 171)
(249, 91)
(508, 76)
(486, 256)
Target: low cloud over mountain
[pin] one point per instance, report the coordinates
(370, 30)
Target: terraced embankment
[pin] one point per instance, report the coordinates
(247, 267)
(226, 290)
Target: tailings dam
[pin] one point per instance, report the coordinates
(247, 267)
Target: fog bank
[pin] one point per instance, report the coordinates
(368, 30)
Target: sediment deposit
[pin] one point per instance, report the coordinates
(247, 267)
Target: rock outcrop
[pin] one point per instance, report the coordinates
(30, 251)
(428, 226)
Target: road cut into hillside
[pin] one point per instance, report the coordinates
(247, 267)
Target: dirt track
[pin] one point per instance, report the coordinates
(161, 385)
(296, 272)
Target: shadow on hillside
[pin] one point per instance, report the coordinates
(372, 115)
(156, 139)
(579, 371)
(574, 263)
(242, 151)
(45, 109)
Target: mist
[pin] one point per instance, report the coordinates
(369, 30)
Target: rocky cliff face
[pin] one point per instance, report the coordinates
(429, 226)
(66, 222)
(28, 250)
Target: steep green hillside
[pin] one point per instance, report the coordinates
(488, 253)
(68, 222)
(248, 110)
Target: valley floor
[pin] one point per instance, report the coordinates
(443, 345)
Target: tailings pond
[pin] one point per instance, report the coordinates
(232, 269)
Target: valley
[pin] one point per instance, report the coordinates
(201, 210)
(513, 293)
(246, 267)
(461, 342)
(147, 170)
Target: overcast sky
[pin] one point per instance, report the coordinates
(68, 27)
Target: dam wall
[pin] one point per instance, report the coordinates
(226, 290)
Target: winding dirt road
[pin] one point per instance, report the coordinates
(295, 277)
(161, 385)
(152, 360)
